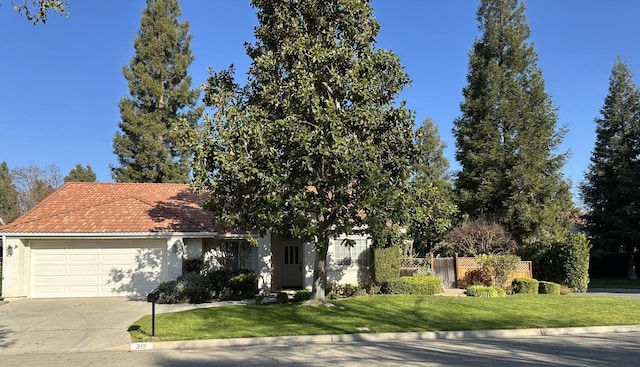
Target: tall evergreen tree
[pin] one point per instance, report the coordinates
(81, 174)
(316, 144)
(161, 100)
(611, 189)
(9, 206)
(432, 211)
(506, 136)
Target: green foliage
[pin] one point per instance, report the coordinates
(38, 10)
(476, 237)
(499, 267)
(9, 205)
(610, 189)
(506, 137)
(194, 287)
(549, 288)
(243, 285)
(161, 107)
(485, 291)
(282, 297)
(564, 259)
(396, 286)
(80, 174)
(386, 264)
(526, 286)
(195, 265)
(432, 210)
(475, 277)
(302, 295)
(423, 284)
(316, 144)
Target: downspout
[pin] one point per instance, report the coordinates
(4, 267)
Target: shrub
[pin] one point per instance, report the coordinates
(386, 264)
(499, 267)
(195, 288)
(525, 286)
(564, 290)
(549, 288)
(396, 286)
(562, 258)
(219, 282)
(303, 295)
(243, 285)
(423, 284)
(192, 266)
(475, 277)
(485, 291)
(282, 297)
(170, 292)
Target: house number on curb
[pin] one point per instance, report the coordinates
(141, 346)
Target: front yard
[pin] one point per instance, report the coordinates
(390, 313)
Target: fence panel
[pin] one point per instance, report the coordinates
(445, 268)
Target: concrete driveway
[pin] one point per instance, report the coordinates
(76, 324)
(67, 324)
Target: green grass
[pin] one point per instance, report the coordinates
(390, 313)
(621, 283)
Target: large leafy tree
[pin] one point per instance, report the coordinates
(431, 210)
(315, 144)
(161, 98)
(81, 174)
(9, 208)
(611, 189)
(506, 137)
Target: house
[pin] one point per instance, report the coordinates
(123, 239)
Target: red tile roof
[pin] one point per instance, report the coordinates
(90, 207)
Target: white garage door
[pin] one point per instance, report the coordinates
(96, 268)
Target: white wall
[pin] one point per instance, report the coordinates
(15, 268)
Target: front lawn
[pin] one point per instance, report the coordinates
(390, 313)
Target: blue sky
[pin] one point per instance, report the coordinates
(60, 82)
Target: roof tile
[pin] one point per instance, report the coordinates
(91, 207)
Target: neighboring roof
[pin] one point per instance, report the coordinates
(91, 207)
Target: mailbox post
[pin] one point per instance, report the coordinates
(153, 297)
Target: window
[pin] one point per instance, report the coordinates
(357, 252)
(233, 254)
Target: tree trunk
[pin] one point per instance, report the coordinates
(631, 266)
(320, 271)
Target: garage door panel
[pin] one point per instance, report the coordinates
(81, 269)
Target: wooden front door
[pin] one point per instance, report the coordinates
(292, 267)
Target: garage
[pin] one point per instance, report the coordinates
(95, 268)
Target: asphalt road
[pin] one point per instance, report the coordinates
(615, 349)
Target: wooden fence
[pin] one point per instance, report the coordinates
(453, 269)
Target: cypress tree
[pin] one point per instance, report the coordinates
(161, 102)
(611, 189)
(506, 136)
(9, 205)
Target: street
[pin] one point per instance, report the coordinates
(615, 349)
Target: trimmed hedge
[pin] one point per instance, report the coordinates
(524, 286)
(423, 284)
(485, 291)
(395, 286)
(549, 288)
(420, 284)
(386, 264)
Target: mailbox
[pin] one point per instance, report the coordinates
(153, 296)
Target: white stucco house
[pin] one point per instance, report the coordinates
(123, 239)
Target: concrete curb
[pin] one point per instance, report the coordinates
(383, 337)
